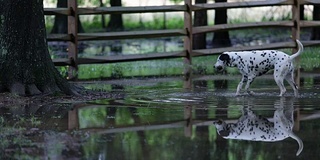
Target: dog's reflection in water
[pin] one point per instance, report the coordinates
(257, 128)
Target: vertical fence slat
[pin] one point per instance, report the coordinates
(188, 119)
(188, 44)
(73, 44)
(296, 34)
(73, 119)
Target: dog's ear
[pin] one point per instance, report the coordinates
(224, 57)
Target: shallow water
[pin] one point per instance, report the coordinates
(158, 119)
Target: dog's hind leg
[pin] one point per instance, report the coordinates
(290, 80)
(279, 80)
(280, 73)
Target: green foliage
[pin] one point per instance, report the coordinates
(123, 117)
(130, 23)
(310, 58)
(92, 117)
(176, 1)
(156, 23)
(92, 25)
(49, 20)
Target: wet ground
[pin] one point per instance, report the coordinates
(154, 119)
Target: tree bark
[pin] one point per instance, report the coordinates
(221, 39)
(103, 23)
(200, 19)
(60, 24)
(25, 64)
(115, 23)
(316, 17)
(302, 12)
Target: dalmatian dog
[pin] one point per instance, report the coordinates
(256, 63)
(257, 128)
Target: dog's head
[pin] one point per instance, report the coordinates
(222, 128)
(222, 61)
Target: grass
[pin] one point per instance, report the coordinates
(132, 69)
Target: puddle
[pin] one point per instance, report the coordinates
(158, 119)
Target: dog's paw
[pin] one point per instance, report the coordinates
(250, 93)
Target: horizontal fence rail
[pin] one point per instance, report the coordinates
(185, 32)
(74, 123)
(131, 34)
(228, 27)
(118, 35)
(123, 58)
(127, 10)
(249, 4)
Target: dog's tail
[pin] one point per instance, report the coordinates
(300, 46)
(295, 137)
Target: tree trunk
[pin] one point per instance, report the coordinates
(60, 24)
(221, 39)
(25, 64)
(103, 23)
(316, 17)
(302, 12)
(115, 23)
(200, 19)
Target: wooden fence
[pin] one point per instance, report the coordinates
(188, 122)
(73, 36)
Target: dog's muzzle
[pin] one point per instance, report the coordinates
(218, 68)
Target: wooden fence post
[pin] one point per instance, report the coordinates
(188, 119)
(188, 44)
(73, 119)
(73, 44)
(296, 34)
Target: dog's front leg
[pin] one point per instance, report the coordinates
(250, 80)
(243, 80)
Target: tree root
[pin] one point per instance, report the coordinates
(20, 89)
(17, 88)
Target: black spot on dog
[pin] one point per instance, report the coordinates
(225, 58)
(224, 133)
(263, 54)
